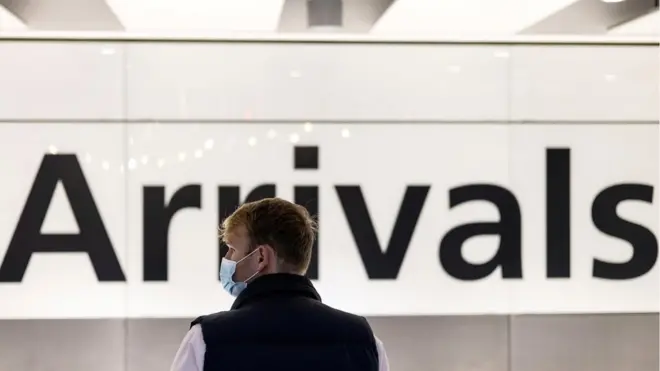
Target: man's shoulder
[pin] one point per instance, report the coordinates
(346, 316)
(213, 317)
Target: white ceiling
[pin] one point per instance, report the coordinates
(642, 26)
(427, 18)
(198, 15)
(438, 17)
(9, 22)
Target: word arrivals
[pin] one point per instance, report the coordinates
(379, 263)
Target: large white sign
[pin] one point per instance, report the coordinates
(121, 220)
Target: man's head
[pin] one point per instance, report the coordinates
(273, 235)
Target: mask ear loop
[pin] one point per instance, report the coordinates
(251, 277)
(245, 257)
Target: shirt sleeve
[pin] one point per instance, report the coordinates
(190, 356)
(383, 362)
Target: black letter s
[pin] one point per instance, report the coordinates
(644, 243)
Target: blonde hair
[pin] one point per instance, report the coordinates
(288, 228)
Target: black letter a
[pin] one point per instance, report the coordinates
(93, 238)
(508, 256)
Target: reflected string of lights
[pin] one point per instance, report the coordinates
(198, 153)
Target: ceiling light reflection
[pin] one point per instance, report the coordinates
(108, 51)
(294, 138)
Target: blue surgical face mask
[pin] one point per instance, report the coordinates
(227, 270)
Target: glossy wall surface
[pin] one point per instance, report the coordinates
(235, 81)
(116, 88)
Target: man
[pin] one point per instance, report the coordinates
(277, 320)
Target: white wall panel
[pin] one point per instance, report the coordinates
(593, 83)
(601, 156)
(64, 345)
(333, 82)
(285, 85)
(612, 342)
(119, 161)
(57, 80)
(61, 285)
(580, 343)
(330, 82)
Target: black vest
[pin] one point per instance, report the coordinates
(279, 323)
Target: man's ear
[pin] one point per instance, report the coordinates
(266, 254)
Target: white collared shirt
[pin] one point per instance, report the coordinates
(190, 356)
